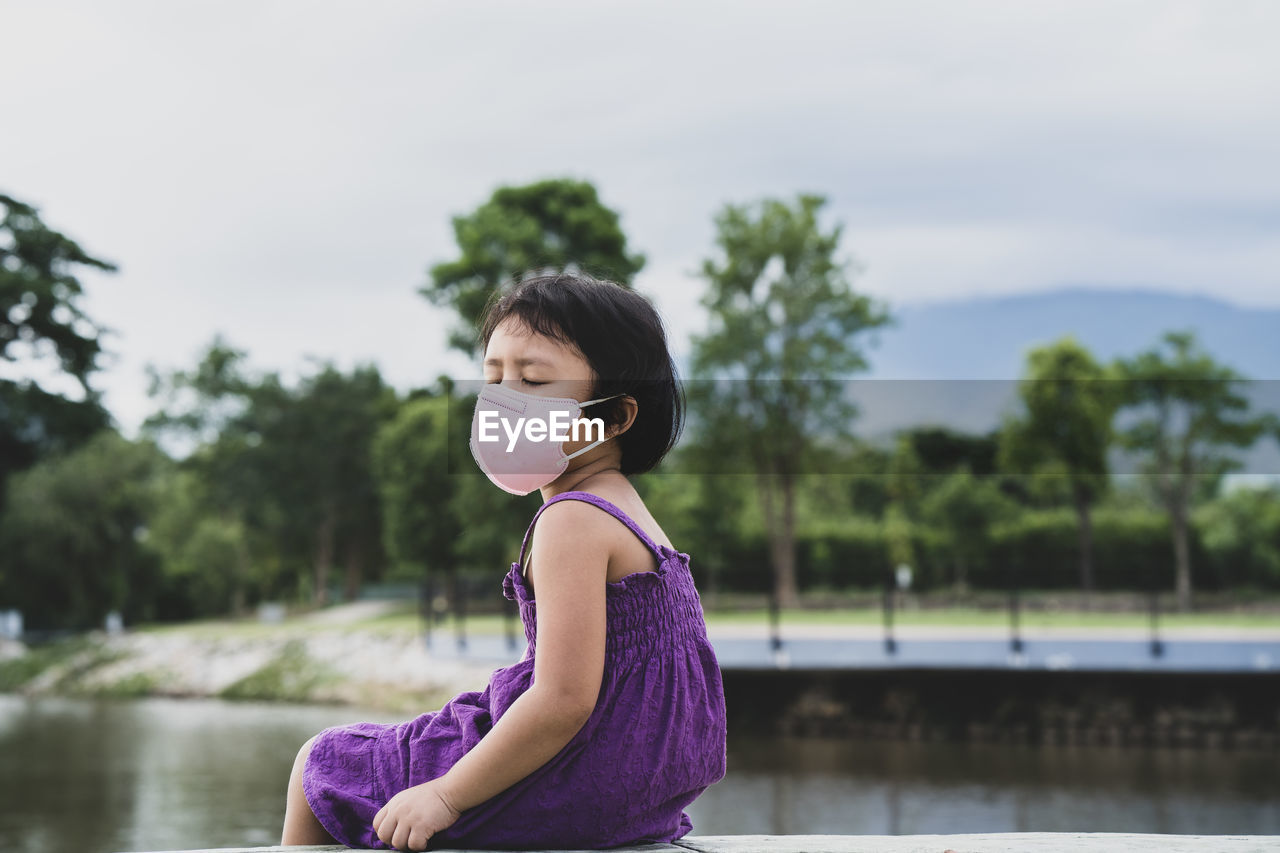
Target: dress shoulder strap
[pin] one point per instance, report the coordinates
(607, 506)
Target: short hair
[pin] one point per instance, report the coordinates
(620, 335)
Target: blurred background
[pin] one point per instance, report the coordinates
(977, 307)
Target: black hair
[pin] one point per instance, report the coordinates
(621, 336)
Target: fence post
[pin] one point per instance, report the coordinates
(890, 646)
(460, 610)
(426, 599)
(1015, 641)
(775, 619)
(1157, 648)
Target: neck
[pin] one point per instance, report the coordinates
(601, 468)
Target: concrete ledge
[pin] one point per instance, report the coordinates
(1001, 842)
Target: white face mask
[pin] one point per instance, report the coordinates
(513, 460)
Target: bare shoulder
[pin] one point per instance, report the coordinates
(575, 524)
(567, 515)
(633, 505)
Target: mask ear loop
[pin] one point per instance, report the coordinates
(601, 400)
(588, 447)
(596, 443)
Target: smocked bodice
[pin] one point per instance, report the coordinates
(644, 611)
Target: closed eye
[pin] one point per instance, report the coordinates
(499, 382)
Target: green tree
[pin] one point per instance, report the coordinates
(228, 490)
(72, 537)
(942, 450)
(1189, 410)
(40, 315)
(1061, 440)
(1241, 531)
(552, 224)
(293, 463)
(205, 554)
(411, 460)
(783, 326)
(317, 443)
(904, 487)
(703, 511)
(963, 508)
(867, 483)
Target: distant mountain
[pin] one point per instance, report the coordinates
(961, 358)
(988, 337)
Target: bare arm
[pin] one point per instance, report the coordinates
(572, 556)
(530, 733)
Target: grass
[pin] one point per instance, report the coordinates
(291, 676)
(129, 687)
(217, 628)
(77, 656)
(403, 618)
(15, 673)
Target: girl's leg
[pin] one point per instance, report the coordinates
(300, 824)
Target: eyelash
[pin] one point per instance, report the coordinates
(525, 381)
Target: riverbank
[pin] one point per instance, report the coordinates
(384, 670)
(373, 654)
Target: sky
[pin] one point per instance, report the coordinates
(284, 173)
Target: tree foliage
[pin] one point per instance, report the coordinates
(40, 315)
(1060, 441)
(547, 225)
(784, 321)
(291, 463)
(411, 461)
(72, 537)
(963, 509)
(1189, 410)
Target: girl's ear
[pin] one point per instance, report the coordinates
(630, 408)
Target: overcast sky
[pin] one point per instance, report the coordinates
(285, 172)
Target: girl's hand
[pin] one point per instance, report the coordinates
(412, 816)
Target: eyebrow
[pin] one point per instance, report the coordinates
(497, 362)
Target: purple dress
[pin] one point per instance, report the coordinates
(655, 741)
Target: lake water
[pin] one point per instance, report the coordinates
(157, 774)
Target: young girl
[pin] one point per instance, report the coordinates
(614, 720)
